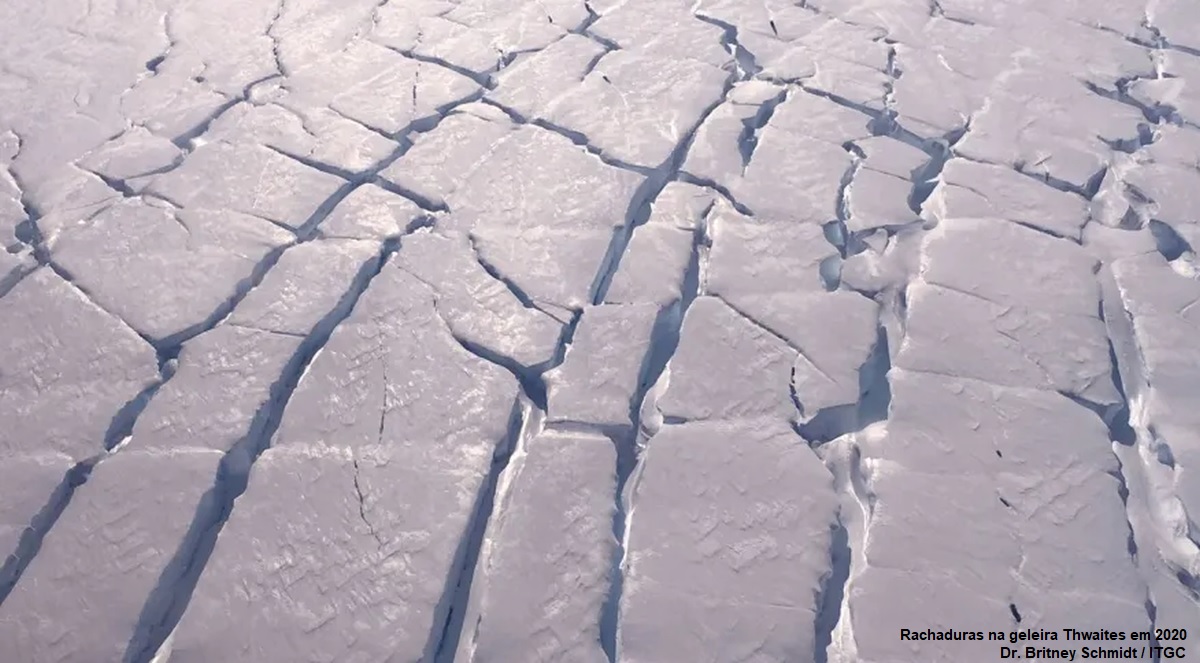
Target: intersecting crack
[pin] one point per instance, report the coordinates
(166, 603)
(746, 65)
(837, 435)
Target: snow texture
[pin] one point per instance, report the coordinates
(594, 330)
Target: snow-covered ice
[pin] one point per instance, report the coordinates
(610, 331)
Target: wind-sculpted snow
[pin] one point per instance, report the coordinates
(600, 331)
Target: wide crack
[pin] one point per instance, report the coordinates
(166, 603)
(748, 139)
(664, 341)
(745, 64)
(1176, 534)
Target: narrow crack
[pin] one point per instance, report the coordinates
(359, 123)
(880, 123)
(531, 425)
(1116, 418)
(154, 63)
(328, 169)
(1085, 191)
(834, 628)
(874, 400)
(116, 435)
(484, 80)
(937, 11)
(837, 231)
(1157, 113)
(362, 509)
(276, 43)
(776, 335)
(715, 187)
(575, 137)
(15, 276)
(833, 588)
(530, 378)
(832, 435)
(515, 290)
(594, 62)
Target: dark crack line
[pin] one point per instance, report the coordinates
(276, 43)
(833, 587)
(515, 290)
(654, 364)
(745, 63)
(450, 616)
(638, 212)
(310, 230)
(880, 123)
(717, 188)
(167, 601)
(937, 11)
(664, 341)
(35, 532)
(378, 132)
(362, 507)
(837, 231)
(1116, 418)
(574, 136)
(873, 404)
(328, 169)
(1130, 372)
(1084, 191)
(187, 140)
(118, 431)
(449, 630)
(776, 335)
(42, 255)
(484, 80)
(584, 29)
(153, 64)
(926, 180)
(1155, 114)
(531, 379)
(748, 139)
(15, 276)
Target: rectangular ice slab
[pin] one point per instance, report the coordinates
(332, 554)
(991, 507)
(597, 381)
(729, 547)
(545, 576)
(168, 272)
(247, 178)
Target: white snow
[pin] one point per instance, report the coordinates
(618, 331)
